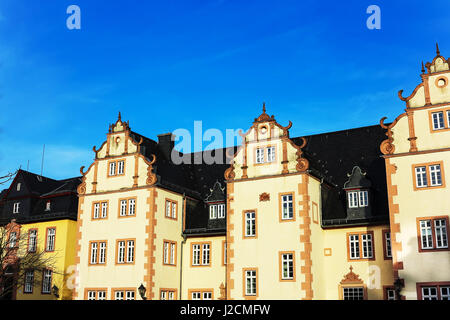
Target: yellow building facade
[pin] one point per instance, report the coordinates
(417, 155)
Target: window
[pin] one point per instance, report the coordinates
(29, 281)
(353, 293)
(438, 120)
(124, 294)
(96, 294)
(171, 209)
(287, 266)
(433, 233)
(116, 168)
(361, 246)
(120, 167)
(358, 199)
(201, 254)
(265, 155)
(50, 241)
(46, 281)
(127, 207)
(47, 206)
(169, 252)
(249, 224)
(216, 211)
(259, 155)
(16, 207)
(200, 294)
(387, 244)
(270, 154)
(433, 291)
(125, 251)
(389, 293)
(97, 253)
(32, 240)
(18, 186)
(251, 282)
(12, 239)
(287, 206)
(429, 175)
(167, 294)
(100, 210)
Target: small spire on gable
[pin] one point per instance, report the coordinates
(438, 53)
(439, 63)
(119, 125)
(264, 117)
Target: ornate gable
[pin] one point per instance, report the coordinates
(266, 150)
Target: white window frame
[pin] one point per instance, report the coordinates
(29, 281)
(120, 167)
(440, 231)
(353, 242)
(206, 254)
(18, 186)
(96, 210)
(438, 120)
(250, 282)
(131, 207)
(388, 244)
(130, 251)
(121, 251)
(259, 155)
(12, 239)
(390, 294)
(353, 199)
(112, 168)
(221, 210)
(271, 154)
(104, 209)
(213, 211)
(287, 266)
(32, 240)
(250, 224)
(426, 234)
(195, 254)
(16, 207)
(102, 252)
(51, 235)
(421, 177)
(46, 281)
(123, 207)
(287, 207)
(435, 175)
(94, 253)
(367, 245)
(429, 295)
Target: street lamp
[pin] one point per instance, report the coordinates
(398, 286)
(142, 290)
(55, 290)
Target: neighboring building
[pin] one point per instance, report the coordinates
(417, 155)
(44, 212)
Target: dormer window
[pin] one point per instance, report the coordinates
(217, 211)
(16, 207)
(357, 199)
(18, 186)
(47, 206)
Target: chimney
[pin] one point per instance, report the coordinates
(166, 144)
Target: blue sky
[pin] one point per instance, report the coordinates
(166, 64)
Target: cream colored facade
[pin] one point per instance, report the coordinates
(419, 139)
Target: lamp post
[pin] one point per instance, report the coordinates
(142, 290)
(398, 286)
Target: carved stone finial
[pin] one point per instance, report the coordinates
(438, 53)
(120, 117)
(264, 107)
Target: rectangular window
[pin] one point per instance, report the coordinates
(196, 296)
(361, 246)
(46, 281)
(435, 175)
(104, 210)
(287, 265)
(50, 243)
(224, 256)
(207, 295)
(213, 211)
(250, 282)
(353, 293)
(48, 206)
(96, 210)
(201, 254)
(127, 207)
(29, 281)
(390, 294)
(200, 294)
(363, 198)
(387, 244)
(121, 252)
(120, 167)
(130, 251)
(250, 224)
(100, 210)
(32, 240)
(429, 175)
(353, 199)
(12, 239)
(421, 177)
(97, 252)
(259, 155)
(112, 168)
(433, 290)
(433, 233)
(354, 246)
(16, 207)
(287, 207)
(92, 295)
(167, 294)
(270, 154)
(124, 294)
(438, 120)
(169, 252)
(221, 211)
(171, 209)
